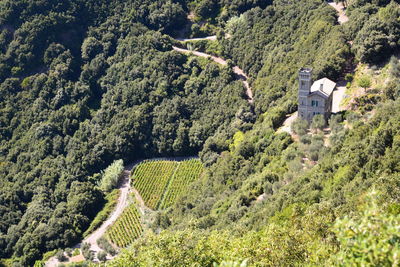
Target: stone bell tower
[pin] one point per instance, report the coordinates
(305, 81)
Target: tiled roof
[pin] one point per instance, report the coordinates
(324, 85)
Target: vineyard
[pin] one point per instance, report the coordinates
(187, 172)
(127, 227)
(160, 183)
(151, 178)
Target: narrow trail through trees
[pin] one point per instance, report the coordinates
(240, 75)
(125, 185)
(124, 188)
(121, 205)
(210, 38)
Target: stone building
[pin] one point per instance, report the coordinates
(314, 97)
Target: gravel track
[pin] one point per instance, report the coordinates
(123, 201)
(240, 75)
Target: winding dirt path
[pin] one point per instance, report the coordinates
(125, 189)
(342, 17)
(240, 75)
(210, 38)
(121, 205)
(123, 201)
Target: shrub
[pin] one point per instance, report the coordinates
(352, 116)
(335, 123)
(106, 246)
(111, 175)
(316, 148)
(60, 256)
(364, 82)
(76, 252)
(88, 255)
(299, 126)
(102, 256)
(48, 255)
(394, 69)
(392, 90)
(370, 239)
(161, 221)
(16, 71)
(349, 77)
(85, 246)
(305, 139)
(366, 102)
(68, 251)
(318, 122)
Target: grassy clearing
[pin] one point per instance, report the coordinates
(378, 77)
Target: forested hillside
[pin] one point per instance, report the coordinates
(84, 83)
(276, 202)
(75, 96)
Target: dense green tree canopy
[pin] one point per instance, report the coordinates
(85, 83)
(76, 96)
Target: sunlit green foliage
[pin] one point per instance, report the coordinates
(109, 206)
(83, 83)
(270, 45)
(110, 177)
(374, 27)
(152, 178)
(370, 238)
(318, 122)
(186, 172)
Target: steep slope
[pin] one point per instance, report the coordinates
(86, 82)
(76, 96)
(277, 202)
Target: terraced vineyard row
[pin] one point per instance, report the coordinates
(127, 227)
(187, 172)
(160, 183)
(151, 179)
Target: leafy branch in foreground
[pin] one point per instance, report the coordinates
(370, 239)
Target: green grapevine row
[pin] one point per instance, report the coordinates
(127, 227)
(187, 172)
(151, 178)
(160, 183)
